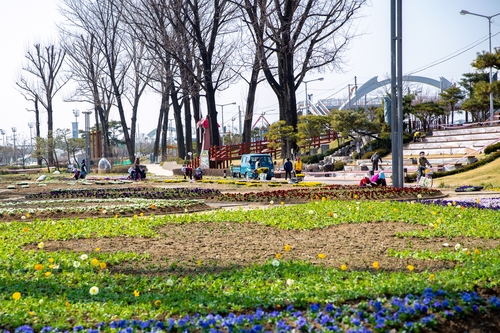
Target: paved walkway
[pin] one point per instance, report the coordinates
(158, 170)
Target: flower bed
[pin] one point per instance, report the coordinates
(342, 192)
(79, 274)
(137, 192)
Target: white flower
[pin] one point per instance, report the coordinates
(23, 217)
(76, 264)
(55, 267)
(457, 247)
(94, 290)
(275, 263)
(84, 257)
(419, 196)
(289, 282)
(335, 215)
(446, 244)
(41, 245)
(311, 212)
(40, 301)
(170, 282)
(458, 206)
(104, 211)
(465, 249)
(271, 202)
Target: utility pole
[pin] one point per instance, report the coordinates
(239, 115)
(14, 130)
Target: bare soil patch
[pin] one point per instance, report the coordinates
(213, 247)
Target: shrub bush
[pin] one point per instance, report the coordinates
(493, 148)
(338, 166)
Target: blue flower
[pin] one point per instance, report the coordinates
(300, 322)
(24, 329)
(315, 307)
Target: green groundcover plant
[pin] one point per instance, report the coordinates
(45, 291)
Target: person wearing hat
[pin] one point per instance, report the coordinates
(422, 163)
(288, 167)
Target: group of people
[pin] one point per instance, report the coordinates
(79, 174)
(378, 179)
(187, 171)
(137, 172)
(288, 166)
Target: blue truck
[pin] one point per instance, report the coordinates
(247, 166)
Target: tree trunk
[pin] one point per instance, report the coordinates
(181, 150)
(252, 88)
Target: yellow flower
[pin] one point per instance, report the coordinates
(321, 256)
(476, 251)
(16, 296)
(95, 262)
(355, 196)
(25, 229)
(38, 267)
(432, 276)
(282, 203)
(376, 265)
(323, 199)
(199, 263)
(31, 313)
(478, 200)
(28, 215)
(135, 215)
(287, 247)
(141, 214)
(97, 249)
(48, 273)
(116, 216)
(410, 268)
(41, 245)
(343, 267)
(51, 260)
(278, 255)
(395, 210)
(51, 266)
(157, 302)
(136, 293)
(102, 265)
(67, 304)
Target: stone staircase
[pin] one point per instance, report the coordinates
(459, 141)
(445, 150)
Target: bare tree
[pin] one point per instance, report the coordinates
(41, 82)
(86, 65)
(103, 20)
(294, 38)
(194, 34)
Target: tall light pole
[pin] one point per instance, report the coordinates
(30, 125)
(222, 117)
(87, 137)
(307, 96)
(75, 124)
(14, 130)
(465, 12)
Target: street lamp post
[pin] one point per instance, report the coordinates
(307, 96)
(14, 130)
(87, 136)
(222, 117)
(75, 124)
(30, 125)
(465, 12)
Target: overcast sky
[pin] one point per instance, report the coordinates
(437, 42)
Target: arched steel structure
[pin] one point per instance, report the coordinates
(374, 84)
